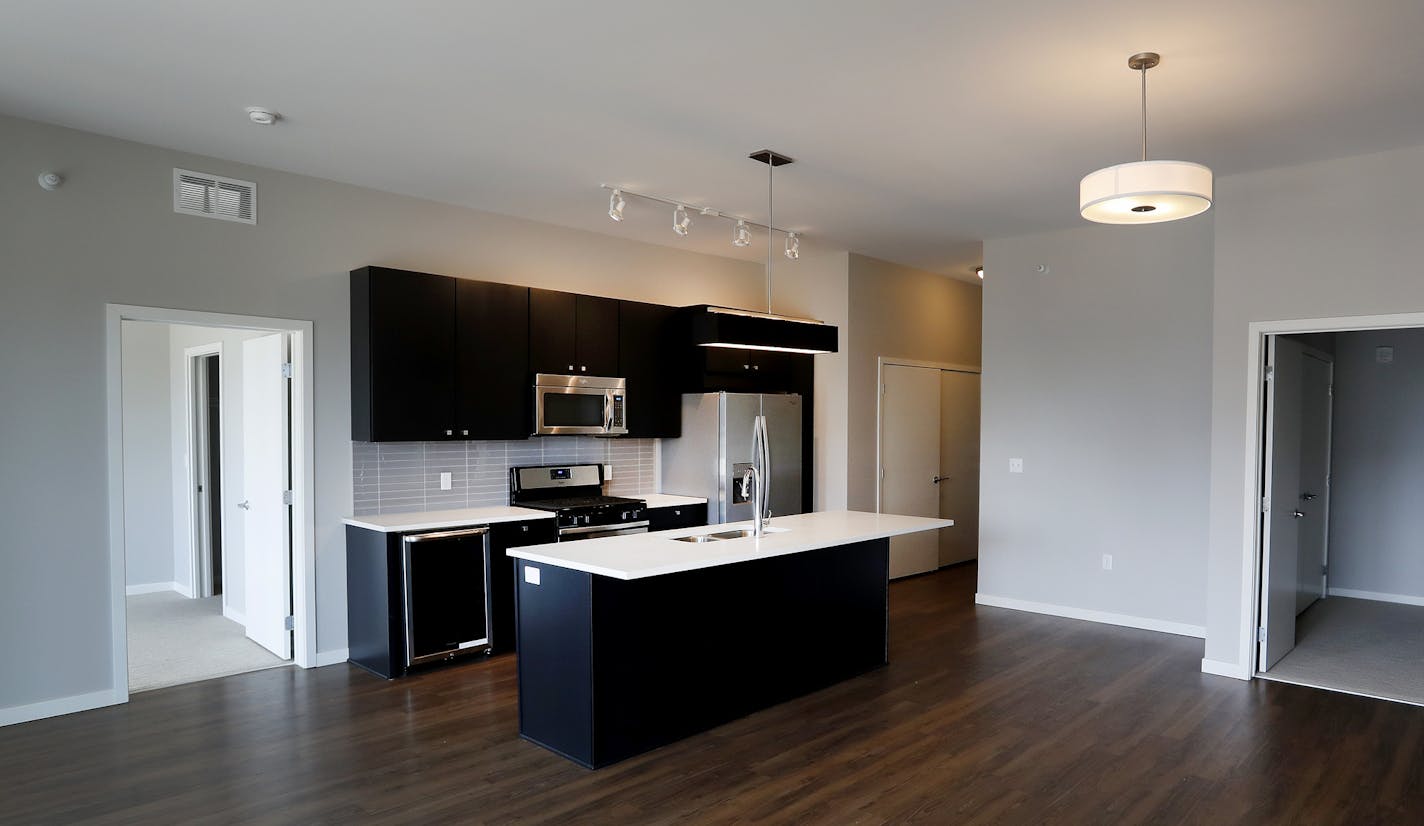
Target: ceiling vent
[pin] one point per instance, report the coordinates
(213, 196)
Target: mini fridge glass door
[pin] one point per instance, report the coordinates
(446, 599)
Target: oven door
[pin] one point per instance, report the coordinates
(597, 531)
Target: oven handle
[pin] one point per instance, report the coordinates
(621, 526)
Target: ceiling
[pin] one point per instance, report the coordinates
(920, 127)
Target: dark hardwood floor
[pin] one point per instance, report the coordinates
(983, 716)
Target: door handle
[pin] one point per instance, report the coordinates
(937, 479)
(1298, 514)
(1307, 496)
(245, 505)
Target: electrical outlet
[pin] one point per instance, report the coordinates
(1016, 466)
(445, 480)
(608, 473)
(1107, 562)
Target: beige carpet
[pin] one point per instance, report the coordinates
(1359, 645)
(173, 640)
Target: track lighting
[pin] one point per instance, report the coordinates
(793, 246)
(741, 236)
(616, 204)
(979, 271)
(681, 221)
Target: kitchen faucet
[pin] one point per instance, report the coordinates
(760, 475)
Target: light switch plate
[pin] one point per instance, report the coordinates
(531, 575)
(1016, 466)
(445, 480)
(1384, 355)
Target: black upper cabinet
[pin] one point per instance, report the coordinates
(572, 334)
(402, 355)
(492, 390)
(437, 358)
(647, 358)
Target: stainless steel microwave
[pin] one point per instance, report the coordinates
(579, 405)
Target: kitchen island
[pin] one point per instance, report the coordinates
(628, 643)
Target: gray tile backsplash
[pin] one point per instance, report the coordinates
(400, 477)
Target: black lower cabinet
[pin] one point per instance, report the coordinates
(599, 682)
(677, 516)
(427, 597)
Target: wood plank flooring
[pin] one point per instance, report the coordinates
(984, 716)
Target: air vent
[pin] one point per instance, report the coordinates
(213, 196)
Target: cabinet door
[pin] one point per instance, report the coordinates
(403, 341)
(503, 536)
(677, 516)
(492, 376)
(597, 334)
(747, 371)
(552, 322)
(647, 358)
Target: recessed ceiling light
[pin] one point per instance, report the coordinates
(261, 116)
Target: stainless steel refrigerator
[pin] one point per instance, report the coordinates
(713, 454)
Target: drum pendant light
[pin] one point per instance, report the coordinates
(1145, 192)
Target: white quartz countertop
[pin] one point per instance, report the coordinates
(634, 556)
(668, 500)
(434, 520)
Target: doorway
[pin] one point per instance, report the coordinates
(928, 446)
(209, 481)
(1341, 586)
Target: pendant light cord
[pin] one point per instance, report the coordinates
(1144, 112)
(770, 222)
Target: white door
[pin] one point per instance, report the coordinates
(265, 437)
(959, 466)
(1279, 580)
(910, 461)
(1317, 371)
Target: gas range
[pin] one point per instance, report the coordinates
(574, 494)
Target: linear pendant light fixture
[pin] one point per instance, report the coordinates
(747, 330)
(1145, 192)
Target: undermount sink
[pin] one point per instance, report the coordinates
(740, 533)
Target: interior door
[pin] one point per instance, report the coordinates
(959, 466)
(265, 451)
(1279, 580)
(910, 461)
(1317, 376)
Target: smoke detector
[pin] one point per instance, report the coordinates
(50, 181)
(262, 116)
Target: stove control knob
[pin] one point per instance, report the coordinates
(587, 519)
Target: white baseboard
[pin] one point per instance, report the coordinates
(149, 588)
(235, 615)
(1225, 669)
(1402, 599)
(1107, 618)
(183, 590)
(338, 655)
(54, 708)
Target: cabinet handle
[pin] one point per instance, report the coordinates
(584, 368)
(464, 432)
(449, 433)
(571, 368)
(746, 367)
(756, 366)
(524, 528)
(677, 513)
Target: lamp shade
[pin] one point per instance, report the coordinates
(1145, 192)
(745, 330)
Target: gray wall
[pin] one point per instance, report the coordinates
(148, 476)
(1377, 476)
(110, 235)
(902, 312)
(1337, 238)
(1097, 375)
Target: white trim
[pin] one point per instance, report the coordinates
(1275, 679)
(1252, 457)
(149, 588)
(200, 580)
(63, 705)
(1236, 671)
(303, 472)
(339, 655)
(1402, 599)
(235, 615)
(1181, 629)
(183, 589)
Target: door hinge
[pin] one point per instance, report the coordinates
(286, 497)
(289, 623)
(1270, 374)
(1265, 504)
(287, 370)
(1260, 633)
(1324, 570)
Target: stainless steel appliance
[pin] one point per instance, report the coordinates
(579, 405)
(716, 453)
(445, 594)
(575, 495)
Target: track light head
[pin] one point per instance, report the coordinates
(681, 221)
(741, 236)
(616, 204)
(793, 246)
(979, 271)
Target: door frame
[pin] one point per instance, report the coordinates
(1329, 360)
(200, 575)
(1253, 455)
(880, 364)
(303, 453)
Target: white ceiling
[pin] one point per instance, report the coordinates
(920, 127)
